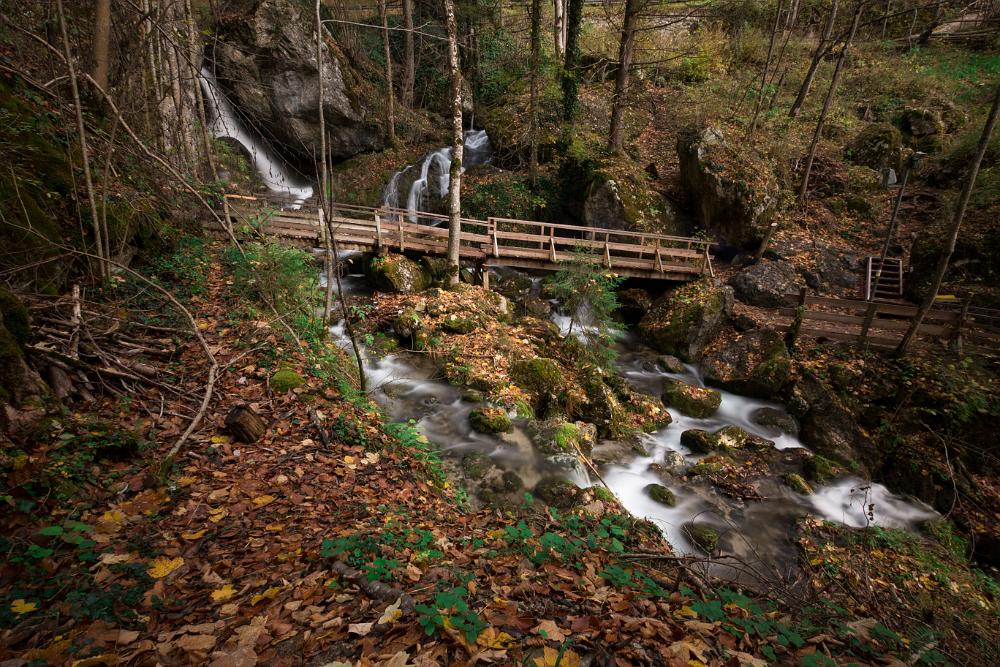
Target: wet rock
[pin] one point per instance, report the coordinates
(826, 425)
(776, 419)
(818, 468)
(489, 419)
(407, 324)
(705, 468)
(543, 379)
(633, 303)
(684, 321)
(732, 212)
(616, 452)
(557, 492)
(698, 402)
(396, 273)
(470, 395)
(265, 53)
(755, 363)
(701, 535)
(559, 437)
(673, 461)
(796, 483)
(698, 441)
(878, 146)
(285, 380)
(671, 364)
(726, 439)
(661, 494)
(476, 465)
(921, 123)
(536, 306)
(765, 284)
(514, 286)
(604, 407)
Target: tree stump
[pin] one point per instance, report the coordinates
(245, 425)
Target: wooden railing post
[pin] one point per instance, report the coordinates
(552, 243)
(793, 331)
(378, 231)
(960, 326)
(493, 232)
(402, 238)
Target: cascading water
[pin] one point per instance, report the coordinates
(422, 186)
(223, 122)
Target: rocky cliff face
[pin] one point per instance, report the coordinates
(265, 59)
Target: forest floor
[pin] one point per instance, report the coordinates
(338, 538)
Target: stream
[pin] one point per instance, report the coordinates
(760, 533)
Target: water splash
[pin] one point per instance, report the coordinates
(224, 122)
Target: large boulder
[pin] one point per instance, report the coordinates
(765, 284)
(265, 57)
(827, 426)
(878, 146)
(396, 273)
(755, 363)
(697, 402)
(684, 321)
(735, 201)
(631, 205)
(554, 436)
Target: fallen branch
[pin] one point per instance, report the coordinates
(373, 589)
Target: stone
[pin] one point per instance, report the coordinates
(701, 535)
(766, 284)
(922, 123)
(407, 324)
(684, 321)
(628, 201)
(795, 482)
(776, 419)
(559, 437)
(396, 273)
(616, 452)
(732, 212)
(604, 405)
(543, 379)
(698, 441)
(477, 465)
(818, 468)
(661, 494)
(671, 364)
(557, 492)
(284, 380)
(826, 425)
(536, 306)
(489, 419)
(698, 402)
(726, 439)
(245, 425)
(878, 146)
(633, 303)
(265, 57)
(673, 461)
(755, 363)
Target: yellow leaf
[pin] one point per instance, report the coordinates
(163, 566)
(185, 481)
(491, 639)
(221, 439)
(550, 658)
(261, 501)
(19, 606)
(269, 594)
(224, 593)
(391, 613)
(194, 534)
(685, 612)
(274, 527)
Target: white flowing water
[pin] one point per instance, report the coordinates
(272, 170)
(422, 189)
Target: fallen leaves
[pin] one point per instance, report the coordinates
(21, 606)
(263, 501)
(223, 594)
(163, 566)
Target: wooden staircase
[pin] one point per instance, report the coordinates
(883, 280)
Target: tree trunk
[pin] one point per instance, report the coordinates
(616, 138)
(558, 27)
(570, 80)
(816, 60)
(409, 73)
(767, 66)
(457, 141)
(102, 266)
(804, 188)
(956, 225)
(102, 42)
(388, 72)
(536, 51)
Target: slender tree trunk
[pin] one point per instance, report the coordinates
(616, 138)
(956, 225)
(804, 188)
(558, 27)
(457, 147)
(767, 67)
(102, 42)
(570, 80)
(536, 51)
(102, 266)
(409, 72)
(816, 60)
(388, 72)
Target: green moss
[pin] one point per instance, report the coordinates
(538, 375)
(797, 484)
(702, 536)
(489, 420)
(943, 532)
(603, 494)
(566, 436)
(459, 325)
(661, 494)
(285, 380)
(475, 465)
(698, 441)
(557, 492)
(704, 468)
(818, 468)
(698, 402)
(523, 410)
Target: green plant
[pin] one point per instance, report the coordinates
(451, 606)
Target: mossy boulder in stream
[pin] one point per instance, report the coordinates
(557, 492)
(755, 363)
(701, 535)
(543, 379)
(796, 483)
(489, 419)
(726, 439)
(698, 402)
(559, 437)
(396, 273)
(661, 494)
(684, 321)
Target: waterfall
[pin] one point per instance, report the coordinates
(223, 122)
(426, 187)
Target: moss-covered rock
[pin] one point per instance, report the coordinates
(878, 146)
(698, 402)
(408, 324)
(476, 465)
(604, 407)
(559, 437)
(557, 492)
(489, 419)
(756, 363)
(726, 439)
(396, 273)
(543, 379)
(698, 440)
(684, 321)
(701, 535)
(285, 380)
(819, 468)
(704, 468)
(661, 494)
(670, 363)
(459, 324)
(796, 483)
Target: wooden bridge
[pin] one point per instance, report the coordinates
(492, 242)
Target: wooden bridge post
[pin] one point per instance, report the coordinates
(607, 251)
(960, 326)
(552, 243)
(378, 231)
(402, 237)
(793, 330)
(492, 227)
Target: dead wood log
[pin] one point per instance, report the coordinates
(376, 590)
(245, 425)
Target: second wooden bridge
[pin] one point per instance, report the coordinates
(492, 242)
